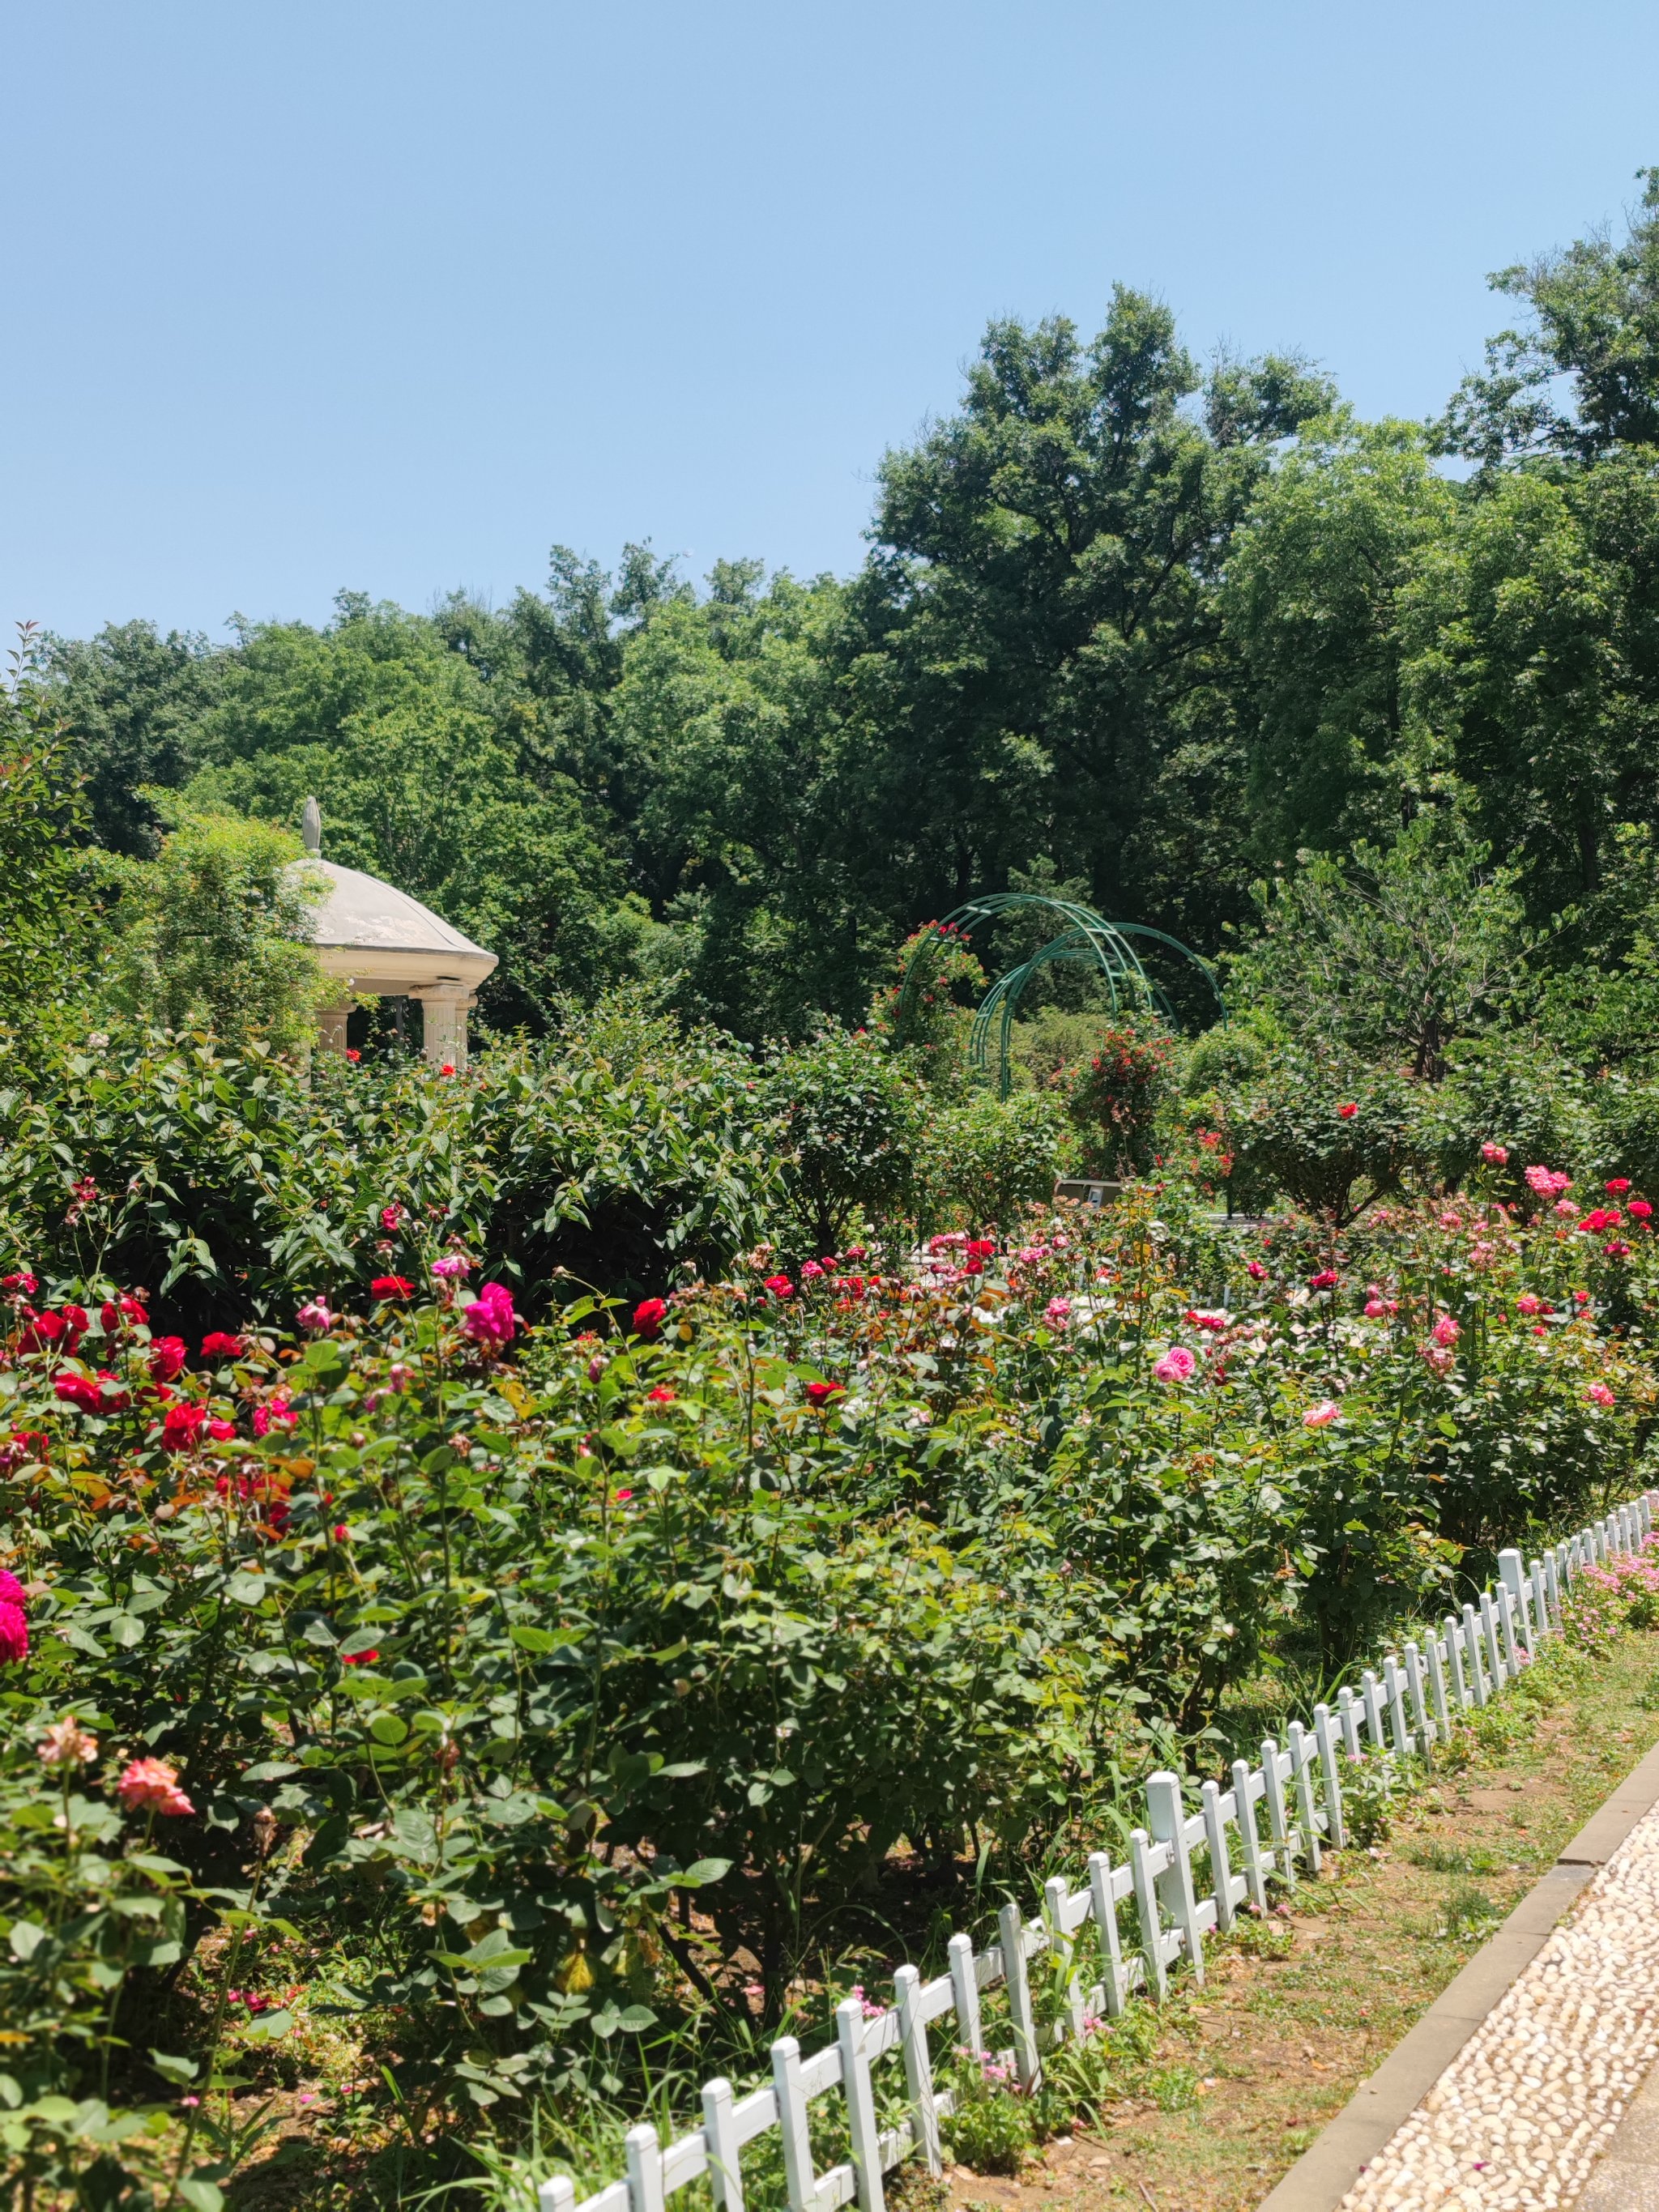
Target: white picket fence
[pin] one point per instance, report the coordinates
(1407, 1707)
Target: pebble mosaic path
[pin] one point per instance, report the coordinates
(1520, 2117)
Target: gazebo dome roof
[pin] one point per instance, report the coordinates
(385, 941)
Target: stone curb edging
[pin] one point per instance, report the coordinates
(1325, 2171)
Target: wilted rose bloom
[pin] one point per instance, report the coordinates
(166, 1358)
(648, 1320)
(1321, 1415)
(1058, 1313)
(23, 1284)
(276, 1412)
(1446, 1330)
(314, 1316)
(1207, 1317)
(452, 1265)
(66, 1744)
(150, 1785)
(1177, 1365)
(811, 1271)
(1439, 1358)
(391, 1217)
(1599, 1394)
(1495, 1156)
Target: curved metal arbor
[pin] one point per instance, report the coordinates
(1087, 936)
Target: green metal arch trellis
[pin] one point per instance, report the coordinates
(1087, 936)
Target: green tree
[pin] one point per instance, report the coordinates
(215, 935)
(1318, 584)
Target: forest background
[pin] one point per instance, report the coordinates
(1162, 636)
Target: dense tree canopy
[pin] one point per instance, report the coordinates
(1126, 624)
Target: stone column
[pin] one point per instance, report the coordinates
(444, 1011)
(332, 1026)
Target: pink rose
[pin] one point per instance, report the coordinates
(1321, 1415)
(1177, 1365)
(150, 1785)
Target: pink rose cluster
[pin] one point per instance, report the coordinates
(1177, 1365)
(1547, 1182)
(13, 1620)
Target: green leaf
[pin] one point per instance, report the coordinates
(202, 2196)
(531, 1639)
(171, 2068)
(26, 1938)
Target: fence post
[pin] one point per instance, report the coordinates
(644, 2155)
(964, 1989)
(860, 2104)
(557, 2194)
(1471, 1652)
(1152, 1931)
(1394, 1683)
(1012, 1926)
(1513, 1660)
(720, 2133)
(1541, 1608)
(1055, 1892)
(1167, 1818)
(1111, 1948)
(1552, 1583)
(1279, 1825)
(1461, 1694)
(1489, 1634)
(1347, 1719)
(1302, 1758)
(1437, 1686)
(918, 2064)
(1255, 1879)
(1513, 1584)
(1221, 1873)
(1326, 1742)
(1425, 1729)
(798, 2179)
(1373, 1710)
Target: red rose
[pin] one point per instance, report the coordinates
(220, 1431)
(1346, 1112)
(781, 1286)
(1638, 1209)
(662, 1395)
(166, 1358)
(1324, 1280)
(1617, 1186)
(648, 1317)
(182, 1429)
(392, 1286)
(219, 1344)
(358, 1658)
(821, 1393)
(79, 1390)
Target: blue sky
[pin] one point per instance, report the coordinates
(391, 296)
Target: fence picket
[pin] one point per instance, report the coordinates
(1496, 1670)
(918, 2065)
(1368, 1691)
(1152, 1931)
(1438, 1687)
(1309, 1817)
(1394, 1684)
(1284, 1852)
(1452, 1632)
(1166, 1818)
(1325, 1738)
(1103, 1895)
(1347, 1714)
(1221, 1873)
(1012, 1926)
(1245, 1793)
(860, 2105)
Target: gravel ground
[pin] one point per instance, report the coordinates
(1519, 2116)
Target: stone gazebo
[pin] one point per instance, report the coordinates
(377, 940)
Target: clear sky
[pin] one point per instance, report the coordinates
(389, 295)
